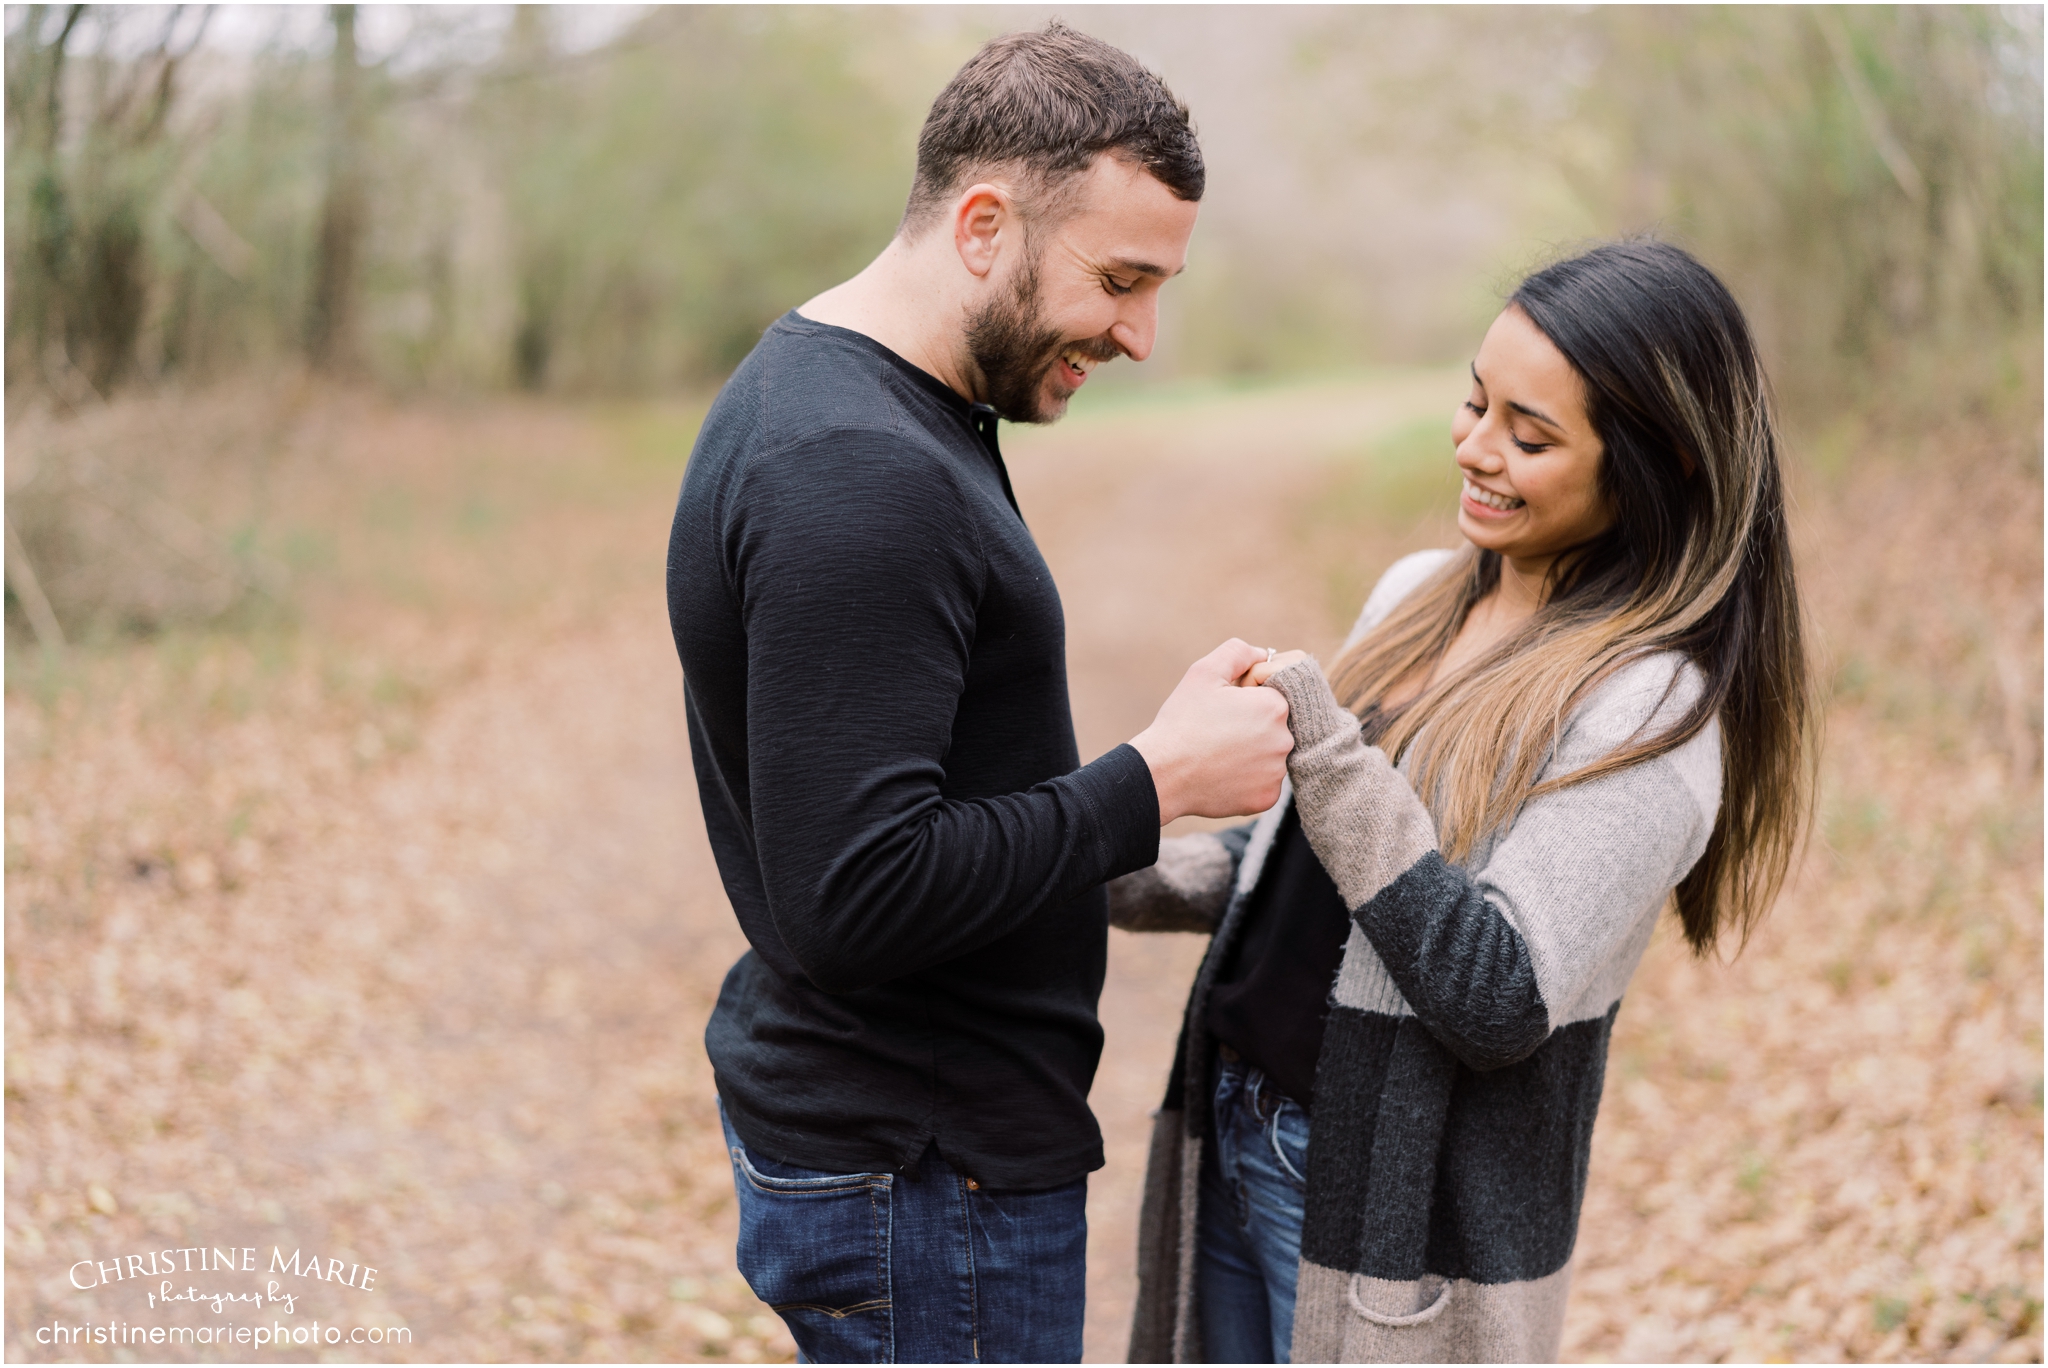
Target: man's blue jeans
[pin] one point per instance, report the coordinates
(1248, 1241)
(913, 1267)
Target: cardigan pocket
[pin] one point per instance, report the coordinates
(1430, 1293)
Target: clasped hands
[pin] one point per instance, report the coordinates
(1218, 747)
(1266, 669)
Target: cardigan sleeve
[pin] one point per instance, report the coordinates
(1493, 959)
(1186, 890)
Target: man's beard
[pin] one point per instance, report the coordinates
(1014, 348)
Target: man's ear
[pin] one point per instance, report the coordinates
(984, 216)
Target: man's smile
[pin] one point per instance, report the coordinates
(1076, 359)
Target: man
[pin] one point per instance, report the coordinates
(875, 681)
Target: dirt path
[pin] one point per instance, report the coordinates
(432, 1003)
(436, 1008)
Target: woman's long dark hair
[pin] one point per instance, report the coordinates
(1696, 560)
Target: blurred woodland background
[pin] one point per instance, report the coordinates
(355, 890)
(490, 199)
(614, 202)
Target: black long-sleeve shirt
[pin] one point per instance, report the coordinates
(874, 670)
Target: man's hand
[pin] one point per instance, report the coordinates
(1215, 750)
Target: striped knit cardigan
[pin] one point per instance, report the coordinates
(1467, 1035)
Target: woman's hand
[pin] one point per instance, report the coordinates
(1266, 669)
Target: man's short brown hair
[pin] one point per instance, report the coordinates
(1044, 105)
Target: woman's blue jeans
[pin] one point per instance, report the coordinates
(918, 1266)
(1248, 1240)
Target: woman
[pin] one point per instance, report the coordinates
(1375, 1142)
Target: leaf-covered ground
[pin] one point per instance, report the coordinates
(383, 926)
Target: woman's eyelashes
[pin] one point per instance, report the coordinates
(1478, 410)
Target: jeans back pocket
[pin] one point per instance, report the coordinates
(816, 1249)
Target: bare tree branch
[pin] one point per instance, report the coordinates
(1889, 148)
(21, 574)
(55, 113)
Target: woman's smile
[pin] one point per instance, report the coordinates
(1488, 501)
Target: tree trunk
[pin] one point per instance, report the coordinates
(330, 325)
